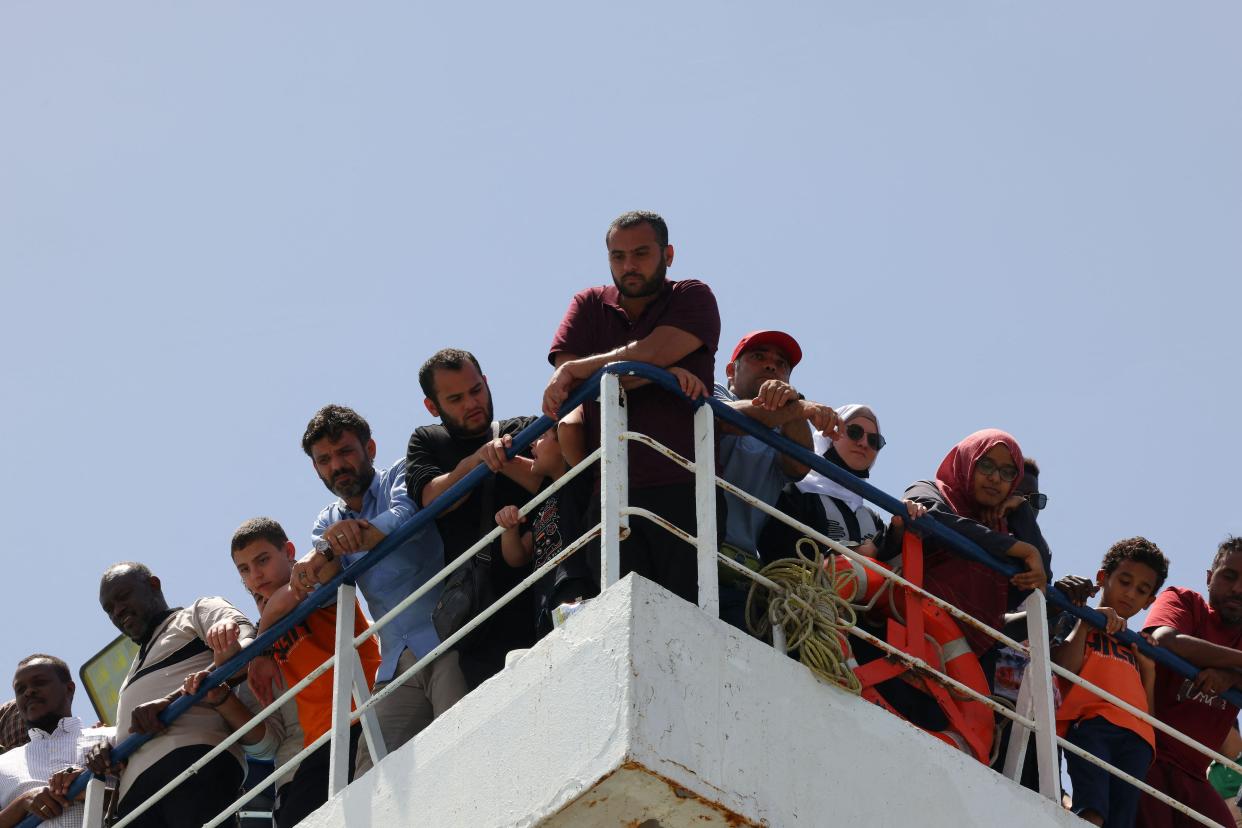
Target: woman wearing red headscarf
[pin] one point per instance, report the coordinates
(971, 486)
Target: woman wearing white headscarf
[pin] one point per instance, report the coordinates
(827, 506)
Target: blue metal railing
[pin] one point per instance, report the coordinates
(588, 390)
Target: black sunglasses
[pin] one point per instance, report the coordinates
(855, 432)
(1038, 500)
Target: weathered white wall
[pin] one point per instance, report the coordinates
(644, 708)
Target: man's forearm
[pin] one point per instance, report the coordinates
(278, 606)
(438, 485)
(663, 347)
(799, 431)
(1202, 654)
(13, 813)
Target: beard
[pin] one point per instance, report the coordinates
(459, 429)
(650, 286)
(351, 485)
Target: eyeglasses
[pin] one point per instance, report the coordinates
(987, 468)
(855, 432)
(1038, 500)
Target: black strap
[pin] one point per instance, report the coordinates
(851, 519)
(186, 651)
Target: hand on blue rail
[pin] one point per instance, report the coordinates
(214, 697)
(492, 453)
(773, 394)
(349, 536)
(304, 575)
(41, 803)
(1113, 623)
(263, 676)
(223, 638)
(559, 386)
(822, 418)
(1034, 577)
(62, 780)
(1077, 589)
(99, 760)
(690, 385)
(1215, 680)
(146, 717)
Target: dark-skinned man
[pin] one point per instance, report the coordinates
(1207, 634)
(468, 435)
(371, 504)
(645, 317)
(44, 695)
(173, 643)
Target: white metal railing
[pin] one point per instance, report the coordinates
(1035, 713)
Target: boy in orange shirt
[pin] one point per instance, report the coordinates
(263, 555)
(1132, 572)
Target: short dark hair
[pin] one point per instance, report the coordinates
(636, 217)
(256, 529)
(445, 359)
(1139, 550)
(1230, 545)
(139, 569)
(332, 421)
(1029, 466)
(59, 667)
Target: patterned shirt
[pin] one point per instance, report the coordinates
(12, 727)
(30, 767)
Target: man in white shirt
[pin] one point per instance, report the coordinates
(44, 695)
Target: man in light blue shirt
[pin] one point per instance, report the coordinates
(372, 504)
(758, 376)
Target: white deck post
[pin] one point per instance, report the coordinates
(342, 685)
(614, 478)
(370, 725)
(93, 814)
(1039, 680)
(705, 508)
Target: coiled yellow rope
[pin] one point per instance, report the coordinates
(809, 608)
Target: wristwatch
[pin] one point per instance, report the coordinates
(324, 548)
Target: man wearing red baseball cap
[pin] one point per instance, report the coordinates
(758, 386)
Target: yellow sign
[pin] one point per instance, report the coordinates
(103, 673)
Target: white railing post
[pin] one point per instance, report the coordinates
(705, 508)
(342, 686)
(1037, 687)
(370, 725)
(614, 478)
(93, 811)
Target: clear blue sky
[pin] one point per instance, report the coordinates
(215, 218)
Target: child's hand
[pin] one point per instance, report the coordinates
(1113, 623)
(509, 517)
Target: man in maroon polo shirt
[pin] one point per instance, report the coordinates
(1207, 634)
(645, 317)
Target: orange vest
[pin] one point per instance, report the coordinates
(1109, 665)
(304, 648)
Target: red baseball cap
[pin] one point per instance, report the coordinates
(779, 339)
